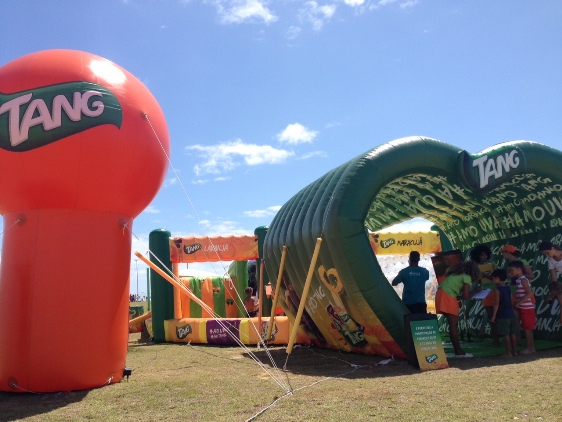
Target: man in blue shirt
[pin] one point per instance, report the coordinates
(413, 277)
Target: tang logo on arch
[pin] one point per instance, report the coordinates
(35, 118)
(484, 172)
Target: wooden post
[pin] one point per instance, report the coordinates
(304, 296)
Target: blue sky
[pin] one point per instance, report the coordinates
(262, 98)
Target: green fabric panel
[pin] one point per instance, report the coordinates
(195, 310)
(260, 232)
(219, 296)
(162, 292)
(238, 271)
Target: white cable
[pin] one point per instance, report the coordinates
(225, 326)
(225, 270)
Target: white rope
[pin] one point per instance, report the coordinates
(225, 271)
(293, 391)
(9, 227)
(224, 325)
(215, 250)
(14, 386)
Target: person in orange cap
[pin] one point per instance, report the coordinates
(510, 253)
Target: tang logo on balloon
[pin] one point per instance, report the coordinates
(35, 118)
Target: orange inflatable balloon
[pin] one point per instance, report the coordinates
(83, 150)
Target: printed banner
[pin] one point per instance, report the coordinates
(402, 243)
(213, 249)
(223, 331)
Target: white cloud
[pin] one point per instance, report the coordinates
(332, 124)
(170, 182)
(151, 209)
(229, 155)
(317, 15)
(293, 32)
(269, 211)
(313, 154)
(205, 223)
(380, 3)
(221, 179)
(240, 11)
(200, 182)
(354, 3)
(222, 228)
(409, 3)
(295, 133)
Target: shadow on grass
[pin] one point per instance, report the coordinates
(309, 361)
(315, 362)
(312, 361)
(17, 406)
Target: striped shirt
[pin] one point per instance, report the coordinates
(520, 293)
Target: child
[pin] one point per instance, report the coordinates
(251, 303)
(511, 253)
(523, 303)
(502, 314)
(481, 254)
(458, 281)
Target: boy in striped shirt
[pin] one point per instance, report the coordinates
(523, 303)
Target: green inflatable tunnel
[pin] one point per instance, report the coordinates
(509, 193)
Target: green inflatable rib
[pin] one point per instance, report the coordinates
(510, 193)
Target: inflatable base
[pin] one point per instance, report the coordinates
(228, 331)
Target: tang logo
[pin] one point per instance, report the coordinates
(489, 170)
(189, 249)
(35, 118)
(387, 243)
(183, 332)
(431, 358)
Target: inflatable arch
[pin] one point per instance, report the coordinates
(509, 193)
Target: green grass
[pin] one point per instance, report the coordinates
(211, 383)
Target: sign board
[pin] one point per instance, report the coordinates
(425, 348)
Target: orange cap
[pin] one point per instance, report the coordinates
(509, 248)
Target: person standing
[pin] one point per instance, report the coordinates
(481, 254)
(512, 253)
(524, 304)
(554, 254)
(413, 277)
(503, 315)
(251, 303)
(459, 278)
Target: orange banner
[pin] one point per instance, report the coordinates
(212, 249)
